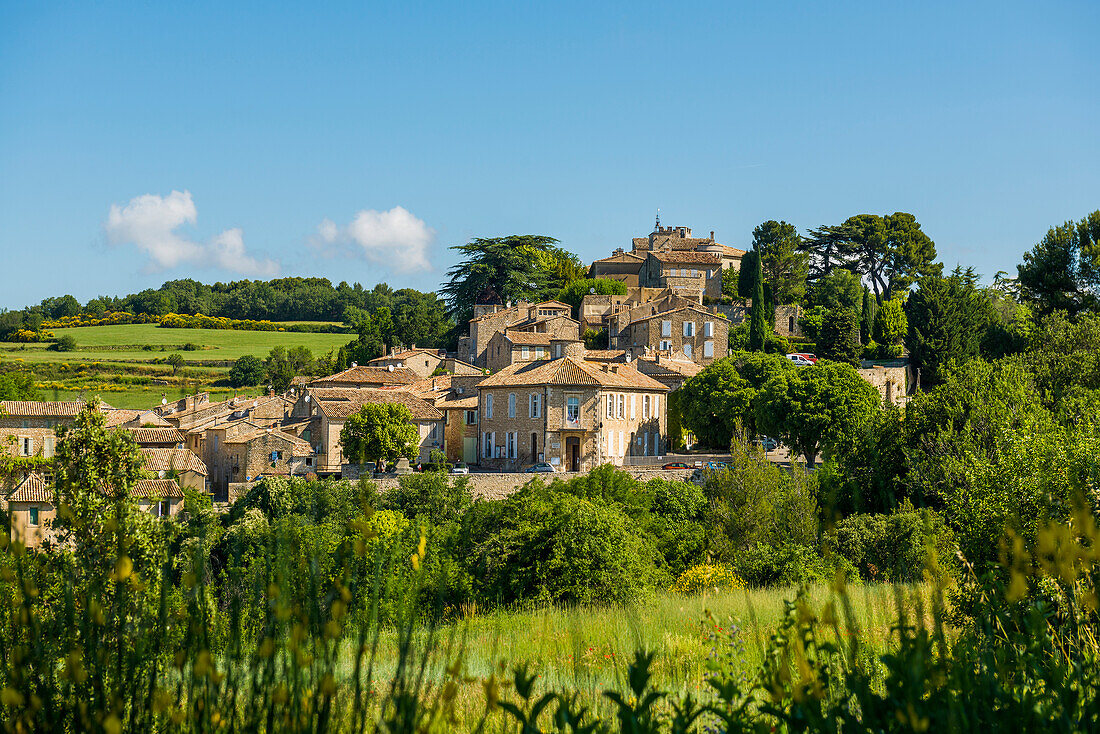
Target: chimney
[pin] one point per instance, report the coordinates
(712, 235)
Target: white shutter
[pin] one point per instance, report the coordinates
(511, 405)
(656, 406)
(621, 444)
(632, 412)
(610, 406)
(666, 328)
(708, 349)
(687, 350)
(708, 329)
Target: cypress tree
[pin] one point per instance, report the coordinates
(757, 328)
(867, 319)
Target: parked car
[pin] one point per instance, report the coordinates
(460, 468)
(808, 355)
(767, 443)
(540, 468)
(799, 360)
(675, 465)
(715, 465)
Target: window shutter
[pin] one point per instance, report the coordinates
(632, 412)
(666, 328)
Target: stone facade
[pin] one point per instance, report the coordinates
(624, 267)
(691, 332)
(786, 320)
(689, 273)
(892, 378)
(424, 362)
(572, 414)
(245, 451)
(550, 317)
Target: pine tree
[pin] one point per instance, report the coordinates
(757, 325)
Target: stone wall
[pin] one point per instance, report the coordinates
(891, 379)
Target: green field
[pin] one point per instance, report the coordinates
(126, 366)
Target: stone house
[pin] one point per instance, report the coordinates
(679, 238)
(574, 414)
(424, 362)
(670, 371)
(460, 426)
(329, 408)
(786, 320)
(698, 334)
(687, 272)
(245, 452)
(123, 418)
(624, 267)
(509, 347)
(892, 378)
(31, 510)
(178, 463)
(596, 309)
(158, 438)
(28, 427)
(549, 317)
(665, 300)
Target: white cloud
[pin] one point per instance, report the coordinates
(394, 238)
(149, 222)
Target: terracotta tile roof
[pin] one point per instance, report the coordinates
(623, 256)
(338, 402)
(406, 354)
(369, 375)
(528, 337)
(301, 447)
(156, 435)
(570, 371)
(733, 251)
(604, 355)
(172, 460)
(157, 488)
(32, 489)
(689, 256)
(667, 367)
(456, 402)
(117, 416)
(38, 408)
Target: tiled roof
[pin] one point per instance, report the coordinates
(370, 375)
(456, 402)
(117, 416)
(38, 408)
(528, 337)
(406, 354)
(604, 355)
(338, 402)
(157, 488)
(172, 460)
(570, 371)
(665, 367)
(32, 489)
(688, 256)
(733, 251)
(622, 256)
(301, 447)
(156, 435)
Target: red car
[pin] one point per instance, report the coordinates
(675, 465)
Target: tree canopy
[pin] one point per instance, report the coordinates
(380, 431)
(1063, 270)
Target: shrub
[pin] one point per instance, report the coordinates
(787, 564)
(64, 343)
(894, 547)
(706, 577)
(430, 495)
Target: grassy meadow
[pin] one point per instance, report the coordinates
(588, 649)
(125, 364)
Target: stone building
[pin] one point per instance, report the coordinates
(509, 347)
(892, 378)
(551, 318)
(679, 238)
(687, 272)
(624, 267)
(672, 372)
(31, 511)
(574, 414)
(244, 452)
(180, 464)
(328, 408)
(596, 310)
(692, 332)
(786, 320)
(358, 376)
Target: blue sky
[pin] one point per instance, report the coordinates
(356, 141)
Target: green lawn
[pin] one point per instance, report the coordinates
(125, 364)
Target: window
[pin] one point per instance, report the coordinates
(539, 352)
(621, 443)
(689, 328)
(645, 407)
(694, 273)
(26, 424)
(666, 328)
(27, 446)
(432, 433)
(708, 349)
(471, 417)
(665, 345)
(309, 461)
(687, 350)
(622, 407)
(573, 411)
(160, 509)
(525, 353)
(534, 405)
(307, 435)
(48, 446)
(708, 329)
(32, 517)
(489, 406)
(656, 405)
(511, 444)
(487, 448)
(610, 406)
(511, 405)
(632, 412)
(279, 455)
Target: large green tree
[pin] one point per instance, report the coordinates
(575, 292)
(1063, 270)
(816, 409)
(839, 337)
(783, 263)
(515, 267)
(947, 318)
(890, 326)
(718, 401)
(379, 431)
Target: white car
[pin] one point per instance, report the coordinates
(460, 468)
(799, 360)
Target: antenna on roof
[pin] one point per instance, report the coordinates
(658, 226)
